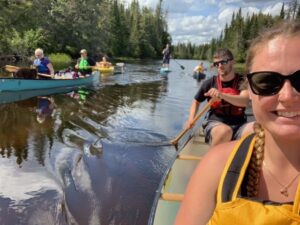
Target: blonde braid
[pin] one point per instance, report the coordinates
(256, 162)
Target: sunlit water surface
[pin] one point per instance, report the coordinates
(98, 156)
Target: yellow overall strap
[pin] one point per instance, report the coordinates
(235, 169)
(296, 207)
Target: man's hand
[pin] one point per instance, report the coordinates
(214, 93)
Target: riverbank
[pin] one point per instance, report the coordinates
(240, 68)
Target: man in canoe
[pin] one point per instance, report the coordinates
(256, 180)
(104, 63)
(199, 71)
(42, 63)
(226, 119)
(199, 68)
(84, 63)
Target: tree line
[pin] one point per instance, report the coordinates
(237, 35)
(65, 26)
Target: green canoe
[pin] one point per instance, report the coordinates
(174, 182)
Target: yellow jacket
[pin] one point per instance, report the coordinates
(233, 209)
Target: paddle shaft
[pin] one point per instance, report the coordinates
(204, 109)
(45, 75)
(181, 66)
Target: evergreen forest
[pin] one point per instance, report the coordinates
(237, 35)
(116, 29)
(65, 26)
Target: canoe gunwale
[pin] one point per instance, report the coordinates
(10, 84)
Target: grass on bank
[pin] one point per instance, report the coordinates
(240, 68)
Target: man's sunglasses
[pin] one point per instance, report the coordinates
(267, 83)
(222, 62)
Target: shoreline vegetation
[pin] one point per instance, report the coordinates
(240, 68)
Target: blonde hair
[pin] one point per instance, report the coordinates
(256, 161)
(39, 51)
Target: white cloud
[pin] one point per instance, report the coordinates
(199, 21)
(192, 29)
(273, 10)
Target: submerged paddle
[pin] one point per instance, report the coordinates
(179, 136)
(13, 69)
(181, 66)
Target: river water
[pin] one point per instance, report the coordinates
(93, 156)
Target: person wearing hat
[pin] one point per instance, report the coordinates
(84, 63)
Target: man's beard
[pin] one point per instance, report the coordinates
(225, 72)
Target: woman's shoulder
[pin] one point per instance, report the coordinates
(217, 157)
(221, 150)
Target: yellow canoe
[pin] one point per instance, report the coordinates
(110, 69)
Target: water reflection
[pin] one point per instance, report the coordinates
(98, 154)
(45, 107)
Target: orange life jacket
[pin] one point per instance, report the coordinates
(224, 108)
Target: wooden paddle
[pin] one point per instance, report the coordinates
(45, 75)
(181, 66)
(204, 109)
(13, 69)
(172, 197)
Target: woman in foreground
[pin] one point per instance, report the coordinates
(257, 180)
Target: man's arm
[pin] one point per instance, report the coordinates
(193, 111)
(50, 67)
(241, 100)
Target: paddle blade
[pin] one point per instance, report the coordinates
(182, 67)
(120, 64)
(11, 69)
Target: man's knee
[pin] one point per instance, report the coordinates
(221, 133)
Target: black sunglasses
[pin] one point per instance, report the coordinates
(222, 62)
(267, 83)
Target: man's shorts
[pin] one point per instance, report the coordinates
(166, 60)
(209, 124)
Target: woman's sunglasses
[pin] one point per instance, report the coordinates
(222, 62)
(267, 83)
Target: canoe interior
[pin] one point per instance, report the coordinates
(15, 84)
(176, 180)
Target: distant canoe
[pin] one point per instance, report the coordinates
(110, 69)
(19, 84)
(199, 76)
(165, 70)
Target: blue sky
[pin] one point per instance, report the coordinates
(198, 21)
